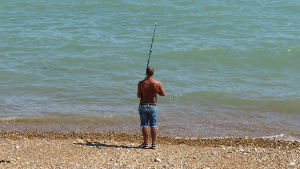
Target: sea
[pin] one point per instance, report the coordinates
(229, 68)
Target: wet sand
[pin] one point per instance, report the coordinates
(119, 150)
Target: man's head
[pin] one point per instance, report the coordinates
(150, 71)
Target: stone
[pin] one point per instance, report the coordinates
(80, 141)
(157, 160)
(292, 163)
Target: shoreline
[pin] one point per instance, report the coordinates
(119, 150)
(202, 131)
(161, 139)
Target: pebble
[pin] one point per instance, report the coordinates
(80, 141)
(292, 163)
(17, 146)
(166, 166)
(157, 160)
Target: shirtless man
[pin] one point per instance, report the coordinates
(147, 91)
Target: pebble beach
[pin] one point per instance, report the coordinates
(69, 72)
(120, 150)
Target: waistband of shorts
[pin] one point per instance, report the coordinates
(148, 104)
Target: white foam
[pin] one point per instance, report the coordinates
(274, 136)
(10, 118)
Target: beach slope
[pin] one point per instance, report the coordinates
(119, 150)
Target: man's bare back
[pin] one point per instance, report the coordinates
(148, 90)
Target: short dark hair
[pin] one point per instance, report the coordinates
(150, 71)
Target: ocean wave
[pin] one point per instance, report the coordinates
(223, 100)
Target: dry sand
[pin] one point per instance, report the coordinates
(119, 150)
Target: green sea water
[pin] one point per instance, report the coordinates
(227, 66)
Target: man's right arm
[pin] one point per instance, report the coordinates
(139, 92)
(161, 90)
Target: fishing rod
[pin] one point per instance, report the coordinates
(149, 54)
(151, 46)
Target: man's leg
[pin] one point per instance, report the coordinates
(144, 124)
(145, 134)
(153, 124)
(153, 134)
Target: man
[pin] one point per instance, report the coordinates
(147, 91)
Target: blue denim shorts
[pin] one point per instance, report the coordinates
(148, 115)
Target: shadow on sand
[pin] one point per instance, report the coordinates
(4, 161)
(99, 145)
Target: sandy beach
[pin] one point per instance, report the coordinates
(119, 150)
